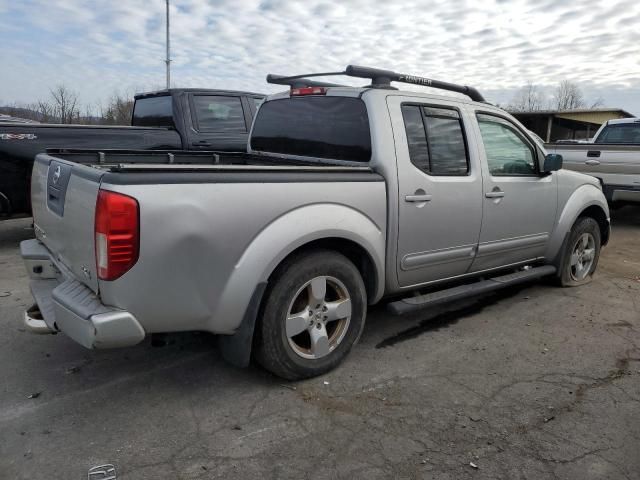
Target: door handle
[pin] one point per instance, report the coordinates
(418, 198)
(201, 143)
(494, 194)
(593, 153)
(592, 162)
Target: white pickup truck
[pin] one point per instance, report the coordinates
(613, 156)
(348, 196)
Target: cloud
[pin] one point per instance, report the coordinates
(497, 46)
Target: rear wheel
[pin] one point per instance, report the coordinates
(582, 253)
(313, 313)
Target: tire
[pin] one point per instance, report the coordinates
(290, 335)
(578, 268)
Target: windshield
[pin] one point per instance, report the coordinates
(321, 127)
(620, 133)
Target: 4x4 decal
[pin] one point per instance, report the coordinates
(18, 136)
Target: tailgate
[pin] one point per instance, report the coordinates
(64, 198)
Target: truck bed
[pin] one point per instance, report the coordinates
(131, 160)
(128, 167)
(20, 143)
(617, 166)
(202, 223)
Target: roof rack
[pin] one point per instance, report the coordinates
(297, 81)
(379, 79)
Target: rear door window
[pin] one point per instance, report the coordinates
(217, 113)
(436, 141)
(315, 126)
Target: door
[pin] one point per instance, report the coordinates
(220, 122)
(440, 191)
(519, 203)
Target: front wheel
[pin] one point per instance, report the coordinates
(313, 313)
(581, 254)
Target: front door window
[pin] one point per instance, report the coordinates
(508, 153)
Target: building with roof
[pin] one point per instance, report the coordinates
(577, 124)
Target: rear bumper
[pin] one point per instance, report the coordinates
(66, 305)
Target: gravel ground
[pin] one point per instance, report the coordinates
(537, 382)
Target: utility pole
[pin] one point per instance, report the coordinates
(168, 60)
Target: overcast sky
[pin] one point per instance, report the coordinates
(97, 47)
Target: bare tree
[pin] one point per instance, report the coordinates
(45, 111)
(528, 99)
(88, 118)
(40, 111)
(65, 104)
(568, 96)
(598, 102)
(118, 111)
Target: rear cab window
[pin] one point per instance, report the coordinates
(218, 113)
(153, 112)
(624, 133)
(325, 127)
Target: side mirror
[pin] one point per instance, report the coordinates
(552, 162)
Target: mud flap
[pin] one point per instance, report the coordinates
(558, 261)
(236, 348)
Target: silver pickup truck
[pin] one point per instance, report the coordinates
(347, 197)
(613, 157)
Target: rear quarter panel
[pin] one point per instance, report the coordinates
(205, 247)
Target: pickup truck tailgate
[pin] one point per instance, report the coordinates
(64, 198)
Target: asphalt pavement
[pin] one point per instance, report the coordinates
(537, 383)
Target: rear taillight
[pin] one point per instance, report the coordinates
(297, 92)
(117, 234)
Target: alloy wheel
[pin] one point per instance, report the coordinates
(318, 317)
(582, 256)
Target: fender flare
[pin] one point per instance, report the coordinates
(581, 199)
(244, 289)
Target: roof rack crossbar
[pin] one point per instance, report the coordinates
(384, 77)
(298, 81)
(379, 79)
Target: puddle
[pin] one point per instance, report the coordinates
(450, 317)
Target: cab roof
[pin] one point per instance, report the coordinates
(177, 91)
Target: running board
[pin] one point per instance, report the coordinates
(412, 304)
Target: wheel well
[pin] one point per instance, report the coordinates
(599, 216)
(350, 249)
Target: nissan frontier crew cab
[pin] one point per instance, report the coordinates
(346, 197)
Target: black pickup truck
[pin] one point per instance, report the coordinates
(173, 119)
